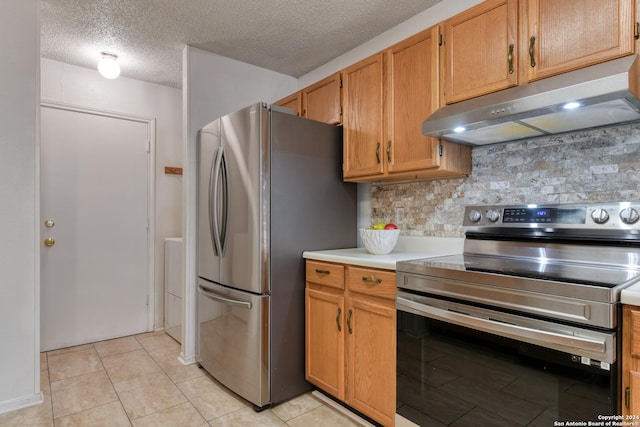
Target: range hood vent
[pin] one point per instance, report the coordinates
(605, 94)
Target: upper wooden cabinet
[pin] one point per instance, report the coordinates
(561, 36)
(362, 98)
(292, 102)
(480, 50)
(386, 97)
(320, 101)
(503, 43)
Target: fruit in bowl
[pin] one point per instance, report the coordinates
(381, 238)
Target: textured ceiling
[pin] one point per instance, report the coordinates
(292, 37)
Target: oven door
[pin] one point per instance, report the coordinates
(459, 364)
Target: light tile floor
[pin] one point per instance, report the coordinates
(138, 381)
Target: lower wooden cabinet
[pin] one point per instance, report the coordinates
(630, 360)
(351, 336)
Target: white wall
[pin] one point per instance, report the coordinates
(213, 86)
(84, 87)
(19, 204)
(430, 17)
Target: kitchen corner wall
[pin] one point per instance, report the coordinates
(588, 166)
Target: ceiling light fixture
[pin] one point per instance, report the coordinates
(108, 66)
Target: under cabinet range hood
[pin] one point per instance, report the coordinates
(600, 95)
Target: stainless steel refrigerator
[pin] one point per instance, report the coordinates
(270, 187)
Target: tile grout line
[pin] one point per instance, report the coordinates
(112, 386)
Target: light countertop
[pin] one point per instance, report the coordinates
(631, 295)
(408, 247)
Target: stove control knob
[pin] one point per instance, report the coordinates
(629, 215)
(600, 216)
(493, 215)
(475, 216)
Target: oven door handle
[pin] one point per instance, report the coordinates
(555, 340)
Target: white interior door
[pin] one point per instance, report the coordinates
(95, 189)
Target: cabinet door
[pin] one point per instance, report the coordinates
(321, 101)
(411, 85)
(478, 43)
(292, 102)
(371, 360)
(362, 118)
(324, 341)
(634, 394)
(630, 360)
(571, 34)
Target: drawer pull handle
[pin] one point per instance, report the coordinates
(349, 321)
(338, 319)
(371, 279)
(319, 271)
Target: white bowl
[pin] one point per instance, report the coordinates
(379, 242)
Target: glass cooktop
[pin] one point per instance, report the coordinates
(535, 268)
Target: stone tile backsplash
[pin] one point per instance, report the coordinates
(596, 166)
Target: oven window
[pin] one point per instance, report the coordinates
(451, 375)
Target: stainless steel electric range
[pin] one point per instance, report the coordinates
(523, 328)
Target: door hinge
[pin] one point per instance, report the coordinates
(440, 149)
(636, 32)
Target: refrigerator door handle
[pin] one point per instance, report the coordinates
(218, 171)
(218, 298)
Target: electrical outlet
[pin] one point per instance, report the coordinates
(399, 217)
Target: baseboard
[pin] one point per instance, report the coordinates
(186, 361)
(20, 402)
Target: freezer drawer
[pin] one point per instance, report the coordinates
(234, 340)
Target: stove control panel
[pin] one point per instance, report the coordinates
(617, 216)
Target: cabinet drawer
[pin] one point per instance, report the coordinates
(324, 273)
(369, 281)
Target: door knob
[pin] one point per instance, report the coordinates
(49, 241)
(49, 223)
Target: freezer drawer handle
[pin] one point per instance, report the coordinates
(223, 299)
